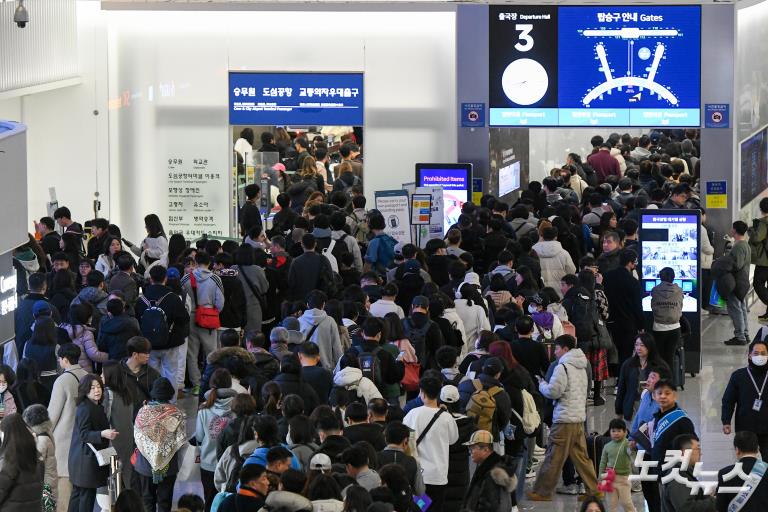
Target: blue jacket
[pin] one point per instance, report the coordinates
(259, 456)
(645, 411)
(381, 252)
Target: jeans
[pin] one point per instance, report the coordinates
(565, 440)
(521, 470)
(737, 310)
(760, 283)
(166, 362)
(199, 339)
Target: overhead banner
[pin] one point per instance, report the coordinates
(393, 205)
(299, 99)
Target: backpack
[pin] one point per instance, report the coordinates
(457, 334)
(328, 253)
(348, 188)
(370, 365)
(154, 323)
(417, 337)
(590, 173)
(530, 419)
(360, 229)
(581, 315)
(482, 405)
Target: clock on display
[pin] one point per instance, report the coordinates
(525, 81)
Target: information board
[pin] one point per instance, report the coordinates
(753, 156)
(595, 65)
(300, 99)
(393, 205)
(455, 180)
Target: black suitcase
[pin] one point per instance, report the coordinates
(595, 444)
(678, 367)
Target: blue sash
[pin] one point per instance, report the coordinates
(749, 487)
(666, 422)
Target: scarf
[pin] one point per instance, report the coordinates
(159, 431)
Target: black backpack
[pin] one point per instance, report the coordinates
(154, 323)
(417, 337)
(370, 365)
(582, 313)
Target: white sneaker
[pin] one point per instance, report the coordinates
(637, 486)
(571, 490)
(538, 450)
(582, 489)
(530, 474)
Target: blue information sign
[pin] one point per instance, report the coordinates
(472, 115)
(716, 115)
(300, 99)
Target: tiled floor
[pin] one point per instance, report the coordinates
(701, 399)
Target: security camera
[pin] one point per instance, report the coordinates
(21, 16)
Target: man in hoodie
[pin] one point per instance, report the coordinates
(381, 249)
(667, 307)
(232, 315)
(568, 386)
(310, 271)
(139, 375)
(95, 295)
(321, 329)
(166, 346)
(642, 151)
(116, 329)
(555, 261)
(208, 291)
(23, 317)
(493, 484)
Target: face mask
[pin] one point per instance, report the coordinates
(532, 309)
(756, 360)
(3, 387)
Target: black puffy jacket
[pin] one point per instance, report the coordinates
(20, 491)
(458, 465)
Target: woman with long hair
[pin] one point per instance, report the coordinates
(91, 428)
(212, 416)
(7, 399)
(271, 399)
(471, 308)
(634, 371)
(21, 487)
(176, 247)
(526, 282)
(42, 348)
(71, 244)
(598, 357)
(155, 246)
(229, 464)
(299, 192)
(393, 477)
(325, 495)
(85, 268)
(358, 499)
(118, 403)
(160, 432)
(82, 334)
(106, 262)
(29, 389)
(62, 291)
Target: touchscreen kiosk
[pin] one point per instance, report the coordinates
(456, 182)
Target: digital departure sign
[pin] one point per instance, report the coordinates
(595, 66)
(299, 99)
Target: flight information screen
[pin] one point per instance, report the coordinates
(595, 66)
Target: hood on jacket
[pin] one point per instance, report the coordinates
(116, 324)
(667, 291)
(321, 232)
(45, 427)
(223, 398)
(27, 259)
(313, 316)
(234, 352)
(92, 295)
(348, 377)
(501, 477)
(504, 270)
(287, 501)
(248, 447)
(575, 358)
(548, 248)
(202, 274)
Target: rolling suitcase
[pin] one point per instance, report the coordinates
(678, 367)
(595, 444)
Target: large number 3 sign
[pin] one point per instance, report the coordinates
(526, 41)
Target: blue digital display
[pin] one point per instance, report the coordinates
(595, 66)
(299, 99)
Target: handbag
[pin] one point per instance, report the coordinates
(206, 317)
(603, 336)
(410, 380)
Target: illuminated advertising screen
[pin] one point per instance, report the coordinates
(509, 179)
(595, 65)
(670, 238)
(299, 99)
(754, 165)
(456, 182)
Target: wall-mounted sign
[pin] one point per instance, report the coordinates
(472, 115)
(299, 99)
(716, 115)
(717, 194)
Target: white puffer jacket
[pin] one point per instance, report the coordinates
(555, 262)
(569, 388)
(352, 379)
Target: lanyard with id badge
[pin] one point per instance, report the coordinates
(758, 403)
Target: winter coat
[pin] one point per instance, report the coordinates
(61, 300)
(232, 315)
(458, 465)
(259, 456)
(258, 283)
(141, 383)
(82, 336)
(210, 424)
(84, 469)
(97, 298)
(23, 319)
(722, 275)
(224, 357)
(741, 261)
(756, 502)
(330, 505)
(286, 502)
(291, 384)
(664, 442)
(20, 491)
(61, 410)
(758, 234)
(121, 415)
(667, 303)
(555, 262)
(126, 283)
(176, 315)
(676, 496)
(630, 376)
(707, 251)
(45, 447)
(410, 466)
(114, 333)
(739, 396)
(326, 336)
(381, 252)
(624, 295)
(352, 246)
(352, 379)
(475, 319)
(433, 340)
(568, 386)
(503, 404)
(9, 402)
(210, 290)
(491, 486)
(228, 461)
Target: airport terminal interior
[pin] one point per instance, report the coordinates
(383, 256)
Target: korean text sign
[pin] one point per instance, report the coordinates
(325, 99)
